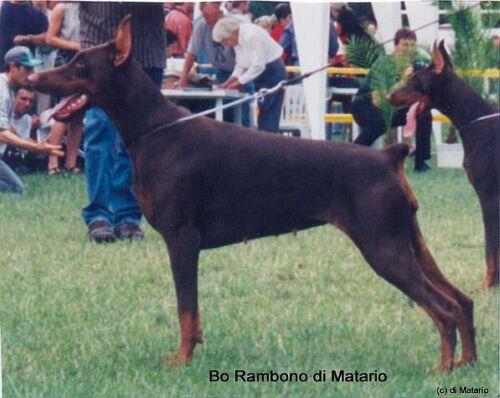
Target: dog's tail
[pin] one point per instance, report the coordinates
(397, 154)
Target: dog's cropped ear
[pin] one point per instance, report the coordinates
(123, 41)
(440, 57)
(445, 53)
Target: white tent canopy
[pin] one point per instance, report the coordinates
(311, 24)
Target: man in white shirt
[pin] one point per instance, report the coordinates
(258, 59)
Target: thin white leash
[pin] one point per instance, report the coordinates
(259, 95)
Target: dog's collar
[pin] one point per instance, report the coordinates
(479, 119)
(161, 127)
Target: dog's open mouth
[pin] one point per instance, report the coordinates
(69, 106)
(411, 118)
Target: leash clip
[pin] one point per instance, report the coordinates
(261, 94)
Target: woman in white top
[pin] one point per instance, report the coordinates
(64, 34)
(258, 59)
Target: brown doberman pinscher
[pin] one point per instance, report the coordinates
(438, 86)
(204, 184)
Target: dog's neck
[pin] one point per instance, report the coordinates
(460, 102)
(135, 104)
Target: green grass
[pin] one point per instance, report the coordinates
(83, 320)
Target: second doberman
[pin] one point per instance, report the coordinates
(205, 184)
(438, 86)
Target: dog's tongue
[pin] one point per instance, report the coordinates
(68, 105)
(411, 120)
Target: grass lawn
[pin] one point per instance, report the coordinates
(83, 320)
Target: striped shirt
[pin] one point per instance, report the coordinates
(6, 103)
(99, 20)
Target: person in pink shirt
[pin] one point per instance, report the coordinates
(180, 22)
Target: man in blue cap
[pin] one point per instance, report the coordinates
(20, 63)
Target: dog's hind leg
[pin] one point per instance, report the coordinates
(392, 258)
(183, 249)
(435, 276)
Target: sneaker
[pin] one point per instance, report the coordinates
(129, 231)
(101, 232)
(421, 168)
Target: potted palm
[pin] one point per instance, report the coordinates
(472, 53)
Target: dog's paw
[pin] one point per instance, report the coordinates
(174, 360)
(465, 362)
(442, 368)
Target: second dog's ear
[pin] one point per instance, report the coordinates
(440, 58)
(123, 41)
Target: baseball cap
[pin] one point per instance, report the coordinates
(21, 55)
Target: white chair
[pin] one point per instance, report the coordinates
(294, 112)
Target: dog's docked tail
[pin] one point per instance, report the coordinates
(397, 153)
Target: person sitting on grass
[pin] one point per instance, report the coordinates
(25, 125)
(19, 63)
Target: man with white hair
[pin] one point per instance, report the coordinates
(258, 59)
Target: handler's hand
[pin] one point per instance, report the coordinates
(235, 86)
(49, 149)
(21, 40)
(35, 122)
(376, 98)
(182, 82)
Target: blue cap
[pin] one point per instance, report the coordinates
(21, 55)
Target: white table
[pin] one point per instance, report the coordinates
(217, 95)
(347, 91)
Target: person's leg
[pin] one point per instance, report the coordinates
(9, 181)
(98, 141)
(73, 138)
(126, 208)
(55, 138)
(369, 120)
(423, 141)
(270, 107)
(220, 77)
(249, 88)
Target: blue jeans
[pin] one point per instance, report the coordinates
(9, 181)
(108, 169)
(270, 107)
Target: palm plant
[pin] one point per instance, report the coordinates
(472, 51)
(385, 71)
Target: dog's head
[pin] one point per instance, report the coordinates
(423, 85)
(86, 79)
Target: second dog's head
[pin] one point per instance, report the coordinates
(424, 85)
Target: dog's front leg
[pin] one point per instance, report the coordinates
(490, 209)
(184, 249)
